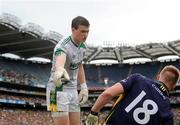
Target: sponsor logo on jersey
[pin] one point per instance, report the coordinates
(74, 66)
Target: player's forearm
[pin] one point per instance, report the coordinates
(107, 95)
(81, 74)
(102, 100)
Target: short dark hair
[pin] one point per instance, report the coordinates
(79, 20)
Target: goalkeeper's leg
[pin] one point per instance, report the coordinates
(74, 118)
(74, 108)
(61, 118)
(57, 103)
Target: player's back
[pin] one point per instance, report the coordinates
(145, 102)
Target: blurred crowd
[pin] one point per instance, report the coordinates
(176, 111)
(11, 76)
(23, 98)
(12, 116)
(175, 99)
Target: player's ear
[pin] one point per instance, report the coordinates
(157, 77)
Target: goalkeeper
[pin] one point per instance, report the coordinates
(62, 96)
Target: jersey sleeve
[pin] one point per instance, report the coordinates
(129, 81)
(167, 115)
(60, 49)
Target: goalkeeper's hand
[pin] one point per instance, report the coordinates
(92, 119)
(83, 95)
(59, 75)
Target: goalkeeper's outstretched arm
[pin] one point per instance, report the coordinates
(60, 73)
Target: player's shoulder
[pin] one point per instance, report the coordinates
(64, 41)
(140, 77)
(133, 77)
(137, 75)
(62, 46)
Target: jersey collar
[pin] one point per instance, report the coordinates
(163, 87)
(74, 43)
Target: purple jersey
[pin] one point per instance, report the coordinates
(145, 102)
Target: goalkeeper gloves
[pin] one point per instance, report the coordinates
(92, 118)
(83, 95)
(59, 75)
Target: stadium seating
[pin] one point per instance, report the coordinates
(28, 74)
(97, 75)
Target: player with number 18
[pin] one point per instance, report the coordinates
(142, 101)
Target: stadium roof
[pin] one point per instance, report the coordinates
(30, 40)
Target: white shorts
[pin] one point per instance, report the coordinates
(67, 100)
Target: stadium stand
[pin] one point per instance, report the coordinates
(35, 74)
(17, 90)
(23, 82)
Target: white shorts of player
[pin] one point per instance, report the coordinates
(67, 100)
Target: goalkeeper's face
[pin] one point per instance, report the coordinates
(80, 34)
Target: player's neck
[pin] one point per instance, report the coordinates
(75, 41)
(164, 85)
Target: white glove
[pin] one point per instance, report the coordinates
(59, 75)
(92, 119)
(83, 95)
